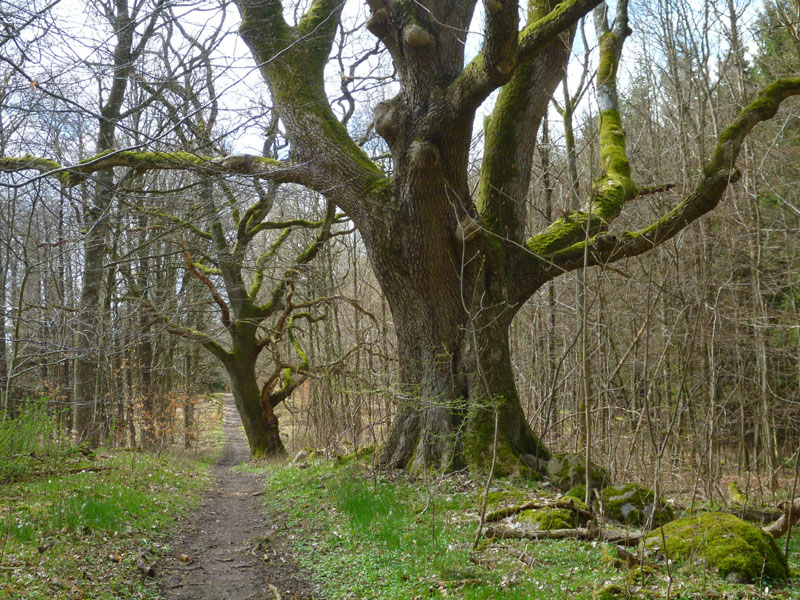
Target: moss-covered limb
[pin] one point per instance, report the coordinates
(298, 348)
(614, 187)
(187, 332)
(292, 376)
(718, 173)
(45, 166)
(563, 232)
(272, 225)
(207, 270)
(148, 161)
(506, 166)
(500, 212)
(482, 76)
(292, 61)
(763, 108)
(254, 214)
(539, 33)
(225, 314)
(262, 260)
(568, 504)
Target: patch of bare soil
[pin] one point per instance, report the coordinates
(232, 550)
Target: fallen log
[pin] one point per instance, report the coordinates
(756, 516)
(502, 513)
(789, 518)
(616, 536)
(503, 533)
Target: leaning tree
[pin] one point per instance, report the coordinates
(455, 263)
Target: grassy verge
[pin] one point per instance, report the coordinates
(363, 536)
(74, 528)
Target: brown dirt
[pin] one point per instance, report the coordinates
(235, 551)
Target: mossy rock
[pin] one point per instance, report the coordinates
(549, 518)
(568, 470)
(633, 504)
(579, 492)
(738, 551)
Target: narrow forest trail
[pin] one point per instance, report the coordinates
(232, 550)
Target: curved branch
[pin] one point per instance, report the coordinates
(274, 303)
(614, 187)
(191, 268)
(292, 61)
(186, 332)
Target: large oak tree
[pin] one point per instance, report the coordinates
(455, 263)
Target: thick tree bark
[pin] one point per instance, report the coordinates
(455, 267)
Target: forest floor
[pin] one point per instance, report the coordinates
(210, 524)
(368, 534)
(232, 550)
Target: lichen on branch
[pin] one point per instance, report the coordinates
(141, 161)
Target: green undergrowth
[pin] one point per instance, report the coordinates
(364, 535)
(74, 522)
(77, 533)
(31, 442)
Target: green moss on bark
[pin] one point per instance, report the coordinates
(549, 518)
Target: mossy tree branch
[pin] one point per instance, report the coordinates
(279, 291)
(718, 173)
(187, 332)
(486, 72)
(255, 166)
(506, 166)
(292, 61)
(614, 187)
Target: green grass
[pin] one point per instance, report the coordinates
(363, 536)
(76, 533)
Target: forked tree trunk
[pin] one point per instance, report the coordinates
(260, 426)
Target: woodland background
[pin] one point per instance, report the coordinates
(692, 350)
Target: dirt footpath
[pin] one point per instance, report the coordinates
(232, 550)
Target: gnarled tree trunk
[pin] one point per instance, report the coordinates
(456, 266)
